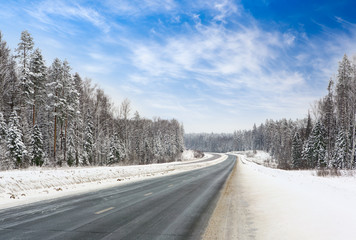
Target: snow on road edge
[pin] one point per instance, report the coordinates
(264, 203)
(19, 187)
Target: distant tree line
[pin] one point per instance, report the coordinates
(210, 142)
(49, 116)
(325, 142)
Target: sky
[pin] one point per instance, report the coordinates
(214, 65)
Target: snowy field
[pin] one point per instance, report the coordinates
(277, 204)
(34, 184)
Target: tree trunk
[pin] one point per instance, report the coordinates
(55, 135)
(65, 141)
(33, 115)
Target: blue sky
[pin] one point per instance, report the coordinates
(216, 66)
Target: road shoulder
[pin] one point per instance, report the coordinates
(231, 218)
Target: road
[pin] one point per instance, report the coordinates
(170, 207)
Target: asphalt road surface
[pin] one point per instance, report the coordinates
(170, 207)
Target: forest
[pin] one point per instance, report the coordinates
(51, 117)
(326, 141)
(210, 142)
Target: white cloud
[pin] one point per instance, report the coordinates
(218, 58)
(140, 7)
(225, 8)
(45, 10)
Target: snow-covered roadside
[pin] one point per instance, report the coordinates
(25, 186)
(260, 157)
(276, 204)
(297, 204)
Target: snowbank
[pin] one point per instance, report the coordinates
(24, 186)
(296, 204)
(187, 155)
(258, 202)
(260, 157)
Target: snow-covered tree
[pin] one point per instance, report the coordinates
(341, 152)
(307, 154)
(24, 49)
(329, 121)
(116, 151)
(52, 105)
(3, 147)
(71, 151)
(56, 101)
(3, 128)
(88, 155)
(319, 146)
(297, 148)
(16, 148)
(343, 93)
(37, 154)
(24, 52)
(37, 76)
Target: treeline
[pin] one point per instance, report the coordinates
(49, 116)
(213, 142)
(327, 141)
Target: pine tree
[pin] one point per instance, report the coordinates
(88, 156)
(37, 155)
(16, 147)
(24, 52)
(71, 151)
(38, 78)
(319, 146)
(116, 153)
(6, 67)
(3, 128)
(307, 154)
(55, 86)
(24, 49)
(343, 87)
(341, 152)
(329, 121)
(309, 127)
(3, 147)
(297, 148)
(77, 122)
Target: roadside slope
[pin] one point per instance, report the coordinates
(263, 203)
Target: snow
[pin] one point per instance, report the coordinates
(277, 204)
(25, 186)
(187, 155)
(260, 157)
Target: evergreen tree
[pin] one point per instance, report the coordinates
(24, 49)
(71, 151)
(3, 128)
(55, 87)
(309, 127)
(319, 146)
(3, 147)
(88, 156)
(38, 78)
(307, 154)
(116, 153)
(329, 121)
(341, 152)
(37, 155)
(343, 93)
(24, 52)
(9, 90)
(16, 148)
(297, 148)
